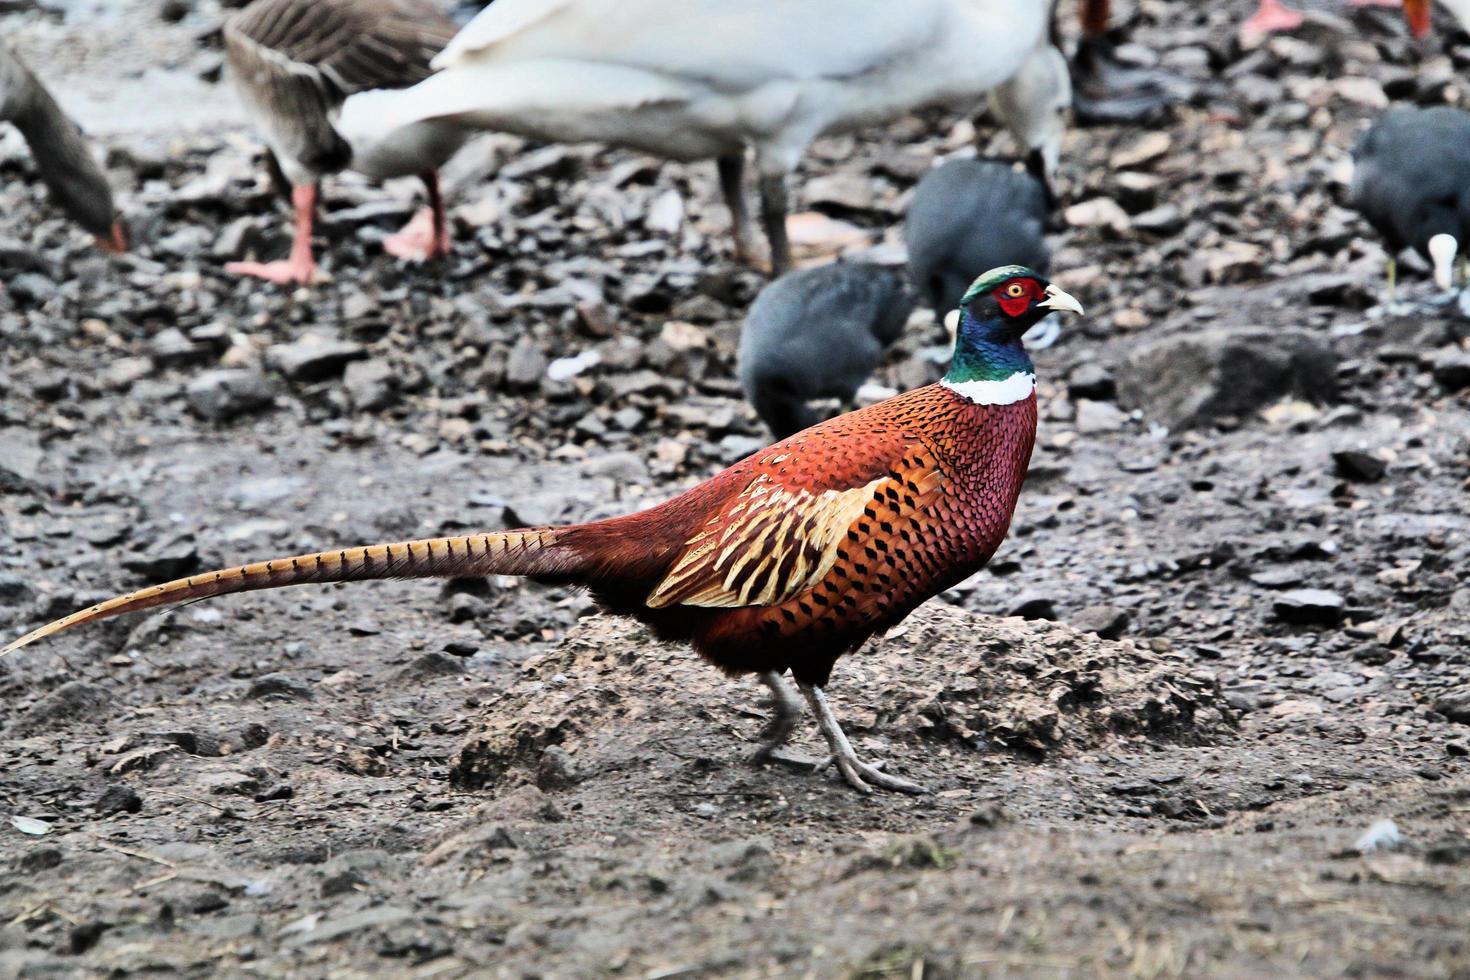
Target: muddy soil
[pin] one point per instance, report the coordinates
(1150, 752)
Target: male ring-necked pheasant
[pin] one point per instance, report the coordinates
(790, 558)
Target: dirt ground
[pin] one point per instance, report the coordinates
(1166, 769)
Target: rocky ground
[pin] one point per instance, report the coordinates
(1246, 521)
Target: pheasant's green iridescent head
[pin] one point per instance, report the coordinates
(995, 311)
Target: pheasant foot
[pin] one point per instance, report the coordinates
(860, 775)
(786, 708)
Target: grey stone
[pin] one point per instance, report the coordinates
(1452, 369)
(1455, 705)
(1359, 466)
(313, 358)
(221, 395)
(169, 560)
(1092, 381)
(370, 385)
(1309, 607)
(70, 702)
(1193, 379)
(278, 686)
(1094, 417)
(1033, 605)
(1108, 622)
(526, 365)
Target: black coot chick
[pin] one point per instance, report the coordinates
(818, 333)
(973, 214)
(1411, 181)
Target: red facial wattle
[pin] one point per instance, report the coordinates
(1013, 301)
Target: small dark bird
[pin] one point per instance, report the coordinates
(1411, 181)
(62, 155)
(787, 560)
(818, 333)
(973, 214)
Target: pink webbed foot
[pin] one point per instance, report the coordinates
(282, 271)
(418, 241)
(1271, 16)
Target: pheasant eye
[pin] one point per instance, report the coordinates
(1015, 290)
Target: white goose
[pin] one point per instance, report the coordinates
(695, 79)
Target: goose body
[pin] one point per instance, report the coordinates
(694, 79)
(62, 155)
(312, 75)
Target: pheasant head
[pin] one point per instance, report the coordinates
(990, 363)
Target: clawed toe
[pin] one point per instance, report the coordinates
(863, 776)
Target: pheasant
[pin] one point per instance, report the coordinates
(788, 559)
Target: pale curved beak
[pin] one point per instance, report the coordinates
(1442, 250)
(1062, 302)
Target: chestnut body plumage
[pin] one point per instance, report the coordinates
(788, 559)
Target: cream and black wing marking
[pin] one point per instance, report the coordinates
(774, 542)
(295, 61)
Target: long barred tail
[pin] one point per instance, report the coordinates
(507, 553)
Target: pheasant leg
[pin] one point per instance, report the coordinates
(787, 710)
(860, 775)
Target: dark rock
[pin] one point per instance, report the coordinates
(313, 358)
(1033, 605)
(32, 289)
(119, 798)
(15, 590)
(1362, 467)
(72, 701)
(1455, 705)
(207, 902)
(467, 608)
(1308, 607)
(1193, 379)
(461, 648)
(1108, 622)
(433, 664)
(556, 769)
(170, 346)
(1452, 369)
(170, 560)
(279, 686)
(219, 396)
(344, 883)
(41, 859)
(1092, 381)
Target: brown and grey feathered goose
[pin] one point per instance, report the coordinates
(309, 72)
(62, 155)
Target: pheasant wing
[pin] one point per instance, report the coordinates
(783, 533)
